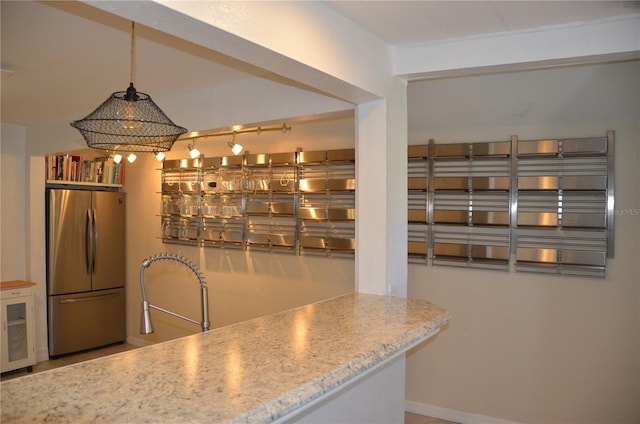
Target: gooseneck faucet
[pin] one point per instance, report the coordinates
(146, 327)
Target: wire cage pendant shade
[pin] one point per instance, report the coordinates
(129, 121)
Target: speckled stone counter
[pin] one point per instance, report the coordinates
(252, 372)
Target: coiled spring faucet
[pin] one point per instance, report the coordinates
(146, 327)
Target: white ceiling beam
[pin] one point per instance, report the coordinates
(306, 43)
(594, 42)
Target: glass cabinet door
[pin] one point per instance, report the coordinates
(18, 349)
(17, 331)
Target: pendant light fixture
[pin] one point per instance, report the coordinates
(129, 121)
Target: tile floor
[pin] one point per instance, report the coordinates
(409, 418)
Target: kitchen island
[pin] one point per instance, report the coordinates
(342, 358)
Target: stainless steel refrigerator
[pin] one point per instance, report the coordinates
(85, 269)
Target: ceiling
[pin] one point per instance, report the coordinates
(47, 77)
(409, 22)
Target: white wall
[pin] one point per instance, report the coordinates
(527, 347)
(16, 232)
(12, 217)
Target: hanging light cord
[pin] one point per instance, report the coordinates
(133, 51)
(132, 94)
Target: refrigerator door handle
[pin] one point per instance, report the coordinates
(94, 247)
(88, 243)
(88, 298)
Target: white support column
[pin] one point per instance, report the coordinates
(396, 182)
(36, 250)
(371, 197)
(381, 204)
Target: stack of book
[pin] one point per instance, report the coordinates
(75, 168)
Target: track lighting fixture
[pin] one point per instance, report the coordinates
(235, 148)
(117, 157)
(193, 152)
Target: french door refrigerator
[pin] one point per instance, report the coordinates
(85, 269)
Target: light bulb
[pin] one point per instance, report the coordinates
(130, 122)
(235, 148)
(193, 152)
(160, 156)
(117, 158)
(131, 157)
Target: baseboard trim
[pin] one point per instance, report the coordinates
(450, 414)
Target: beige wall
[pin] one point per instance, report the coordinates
(242, 285)
(527, 347)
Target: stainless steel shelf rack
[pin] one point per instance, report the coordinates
(540, 206)
(180, 201)
(295, 202)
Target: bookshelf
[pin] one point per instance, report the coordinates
(83, 170)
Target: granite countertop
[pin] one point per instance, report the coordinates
(251, 372)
